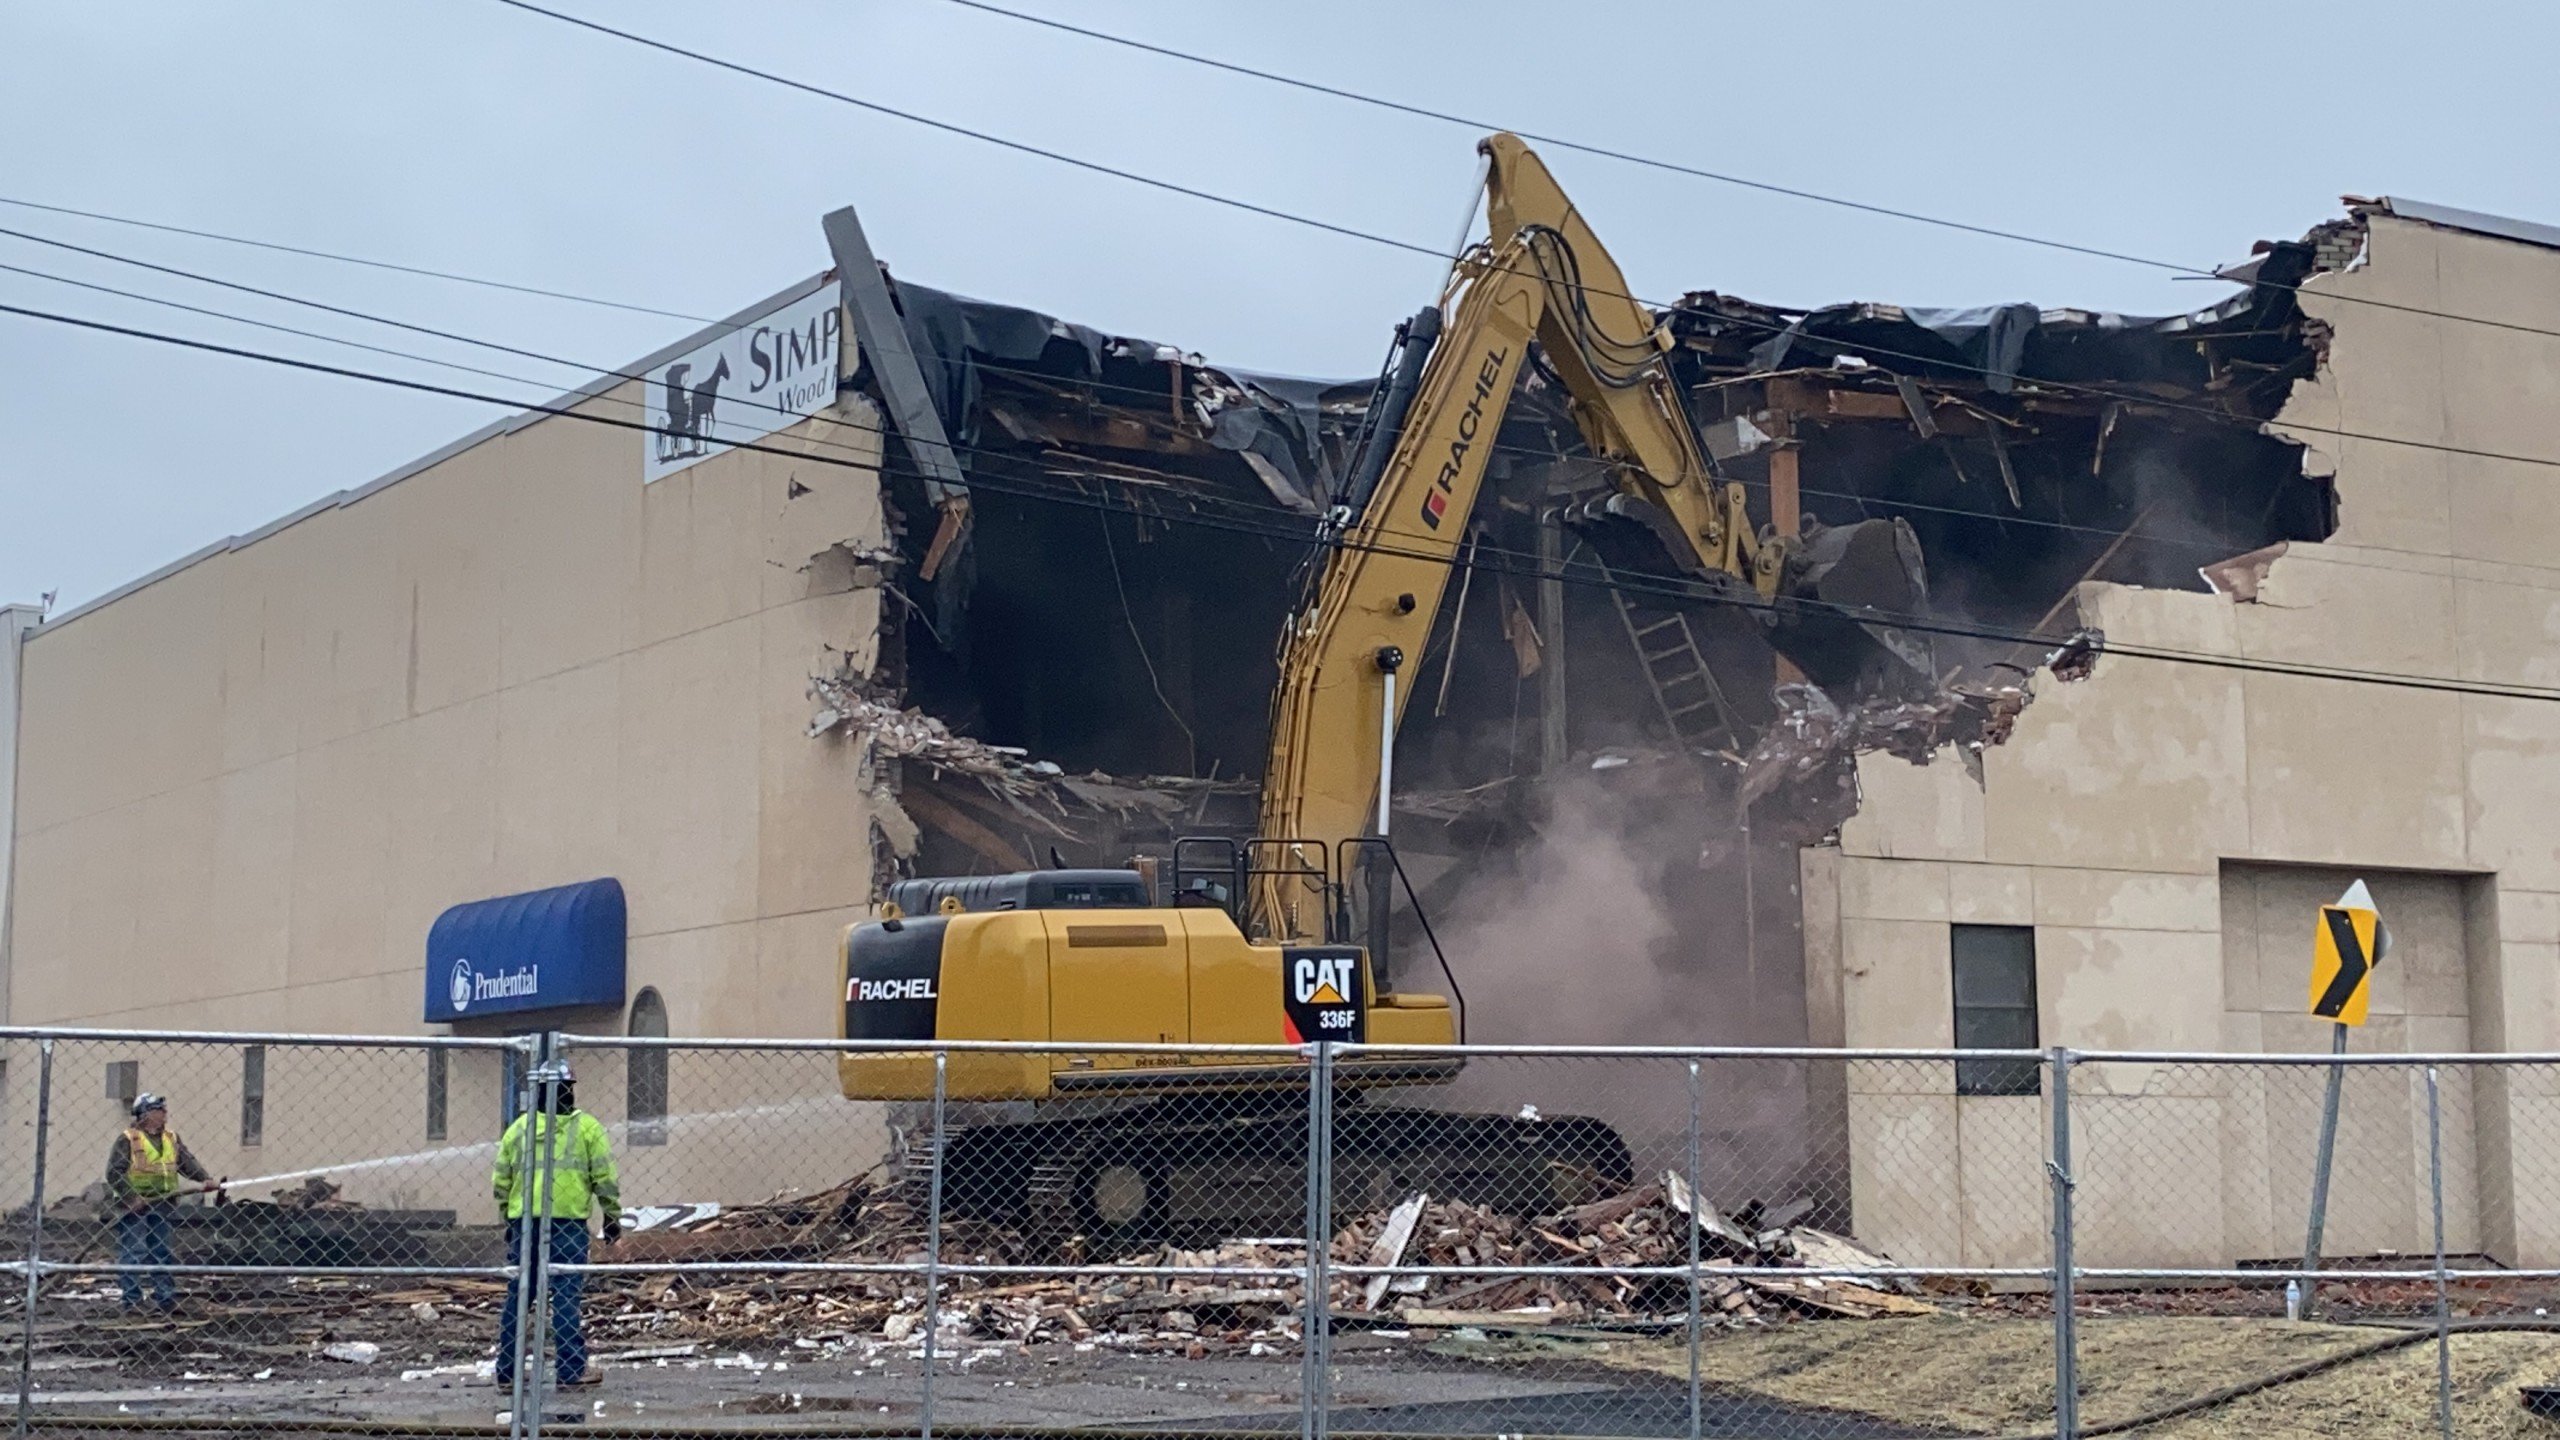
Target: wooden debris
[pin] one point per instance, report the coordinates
(1482, 1319)
(1158, 1299)
(1644, 1228)
(1390, 1247)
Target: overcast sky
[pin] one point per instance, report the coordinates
(467, 136)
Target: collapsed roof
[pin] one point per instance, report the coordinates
(1146, 517)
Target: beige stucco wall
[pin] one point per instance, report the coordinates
(248, 787)
(2112, 818)
(15, 621)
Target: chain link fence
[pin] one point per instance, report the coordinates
(980, 1240)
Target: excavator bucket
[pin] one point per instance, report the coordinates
(1843, 603)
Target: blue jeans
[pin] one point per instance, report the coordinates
(568, 1328)
(142, 1238)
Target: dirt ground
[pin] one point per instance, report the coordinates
(1995, 1377)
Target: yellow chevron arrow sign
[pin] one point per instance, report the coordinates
(2347, 945)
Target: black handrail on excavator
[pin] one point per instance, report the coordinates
(1457, 997)
(1227, 881)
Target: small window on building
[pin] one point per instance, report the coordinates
(645, 1072)
(437, 1079)
(1995, 985)
(124, 1081)
(253, 1095)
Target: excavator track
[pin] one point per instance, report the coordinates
(1195, 1169)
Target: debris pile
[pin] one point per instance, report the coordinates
(315, 1193)
(1244, 1292)
(1639, 1230)
(1236, 1297)
(861, 1219)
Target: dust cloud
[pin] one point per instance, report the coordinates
(1619, 919)
(1572, 939)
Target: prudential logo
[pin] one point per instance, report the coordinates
(466, 986)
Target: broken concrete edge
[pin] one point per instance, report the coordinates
(1918, 734)
(1807, 740)
(2337, 247)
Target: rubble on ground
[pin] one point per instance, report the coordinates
(1236, 1297)
(1641, 1229)
(1237, 1293)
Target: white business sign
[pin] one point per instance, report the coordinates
(744, 385)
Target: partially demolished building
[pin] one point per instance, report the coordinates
(753, 684)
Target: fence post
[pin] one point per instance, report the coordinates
(2444, 1311)
(2066, 1334)
(542, 1130)
(35, 1237)
(2320, 1174)
(1697, 1197)
(933, 1242)
(1315, 1322)
(521, 1384)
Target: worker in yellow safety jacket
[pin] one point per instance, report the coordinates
(571, 1161)
(147, 1167)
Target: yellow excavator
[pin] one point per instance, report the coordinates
(1258, 945)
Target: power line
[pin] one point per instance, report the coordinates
(1696, 172)
(267, 324)
(1185, 485)
(1173, 480)
(1148, 392)
(1170, 477)
(1561, 143)
(345, 259)
(2101, 392)
(1413, 247)
(290, 299)
(947, 127)
(1672, 590)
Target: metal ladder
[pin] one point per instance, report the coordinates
(1692, 705)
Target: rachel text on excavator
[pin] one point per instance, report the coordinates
(1257, 943)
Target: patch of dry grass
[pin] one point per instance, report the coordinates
(1995, 1376)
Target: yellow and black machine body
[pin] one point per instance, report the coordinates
(1124, 1146)
(1068, 958)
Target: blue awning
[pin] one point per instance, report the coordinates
(541, 950)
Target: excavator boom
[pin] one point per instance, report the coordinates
(1540, 275)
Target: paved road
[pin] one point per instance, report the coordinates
(1641, 1408)
(1381, 1388)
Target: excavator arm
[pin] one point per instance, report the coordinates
(1606, 347)
(1540, 274)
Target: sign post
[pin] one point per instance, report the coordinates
(2347, 943)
